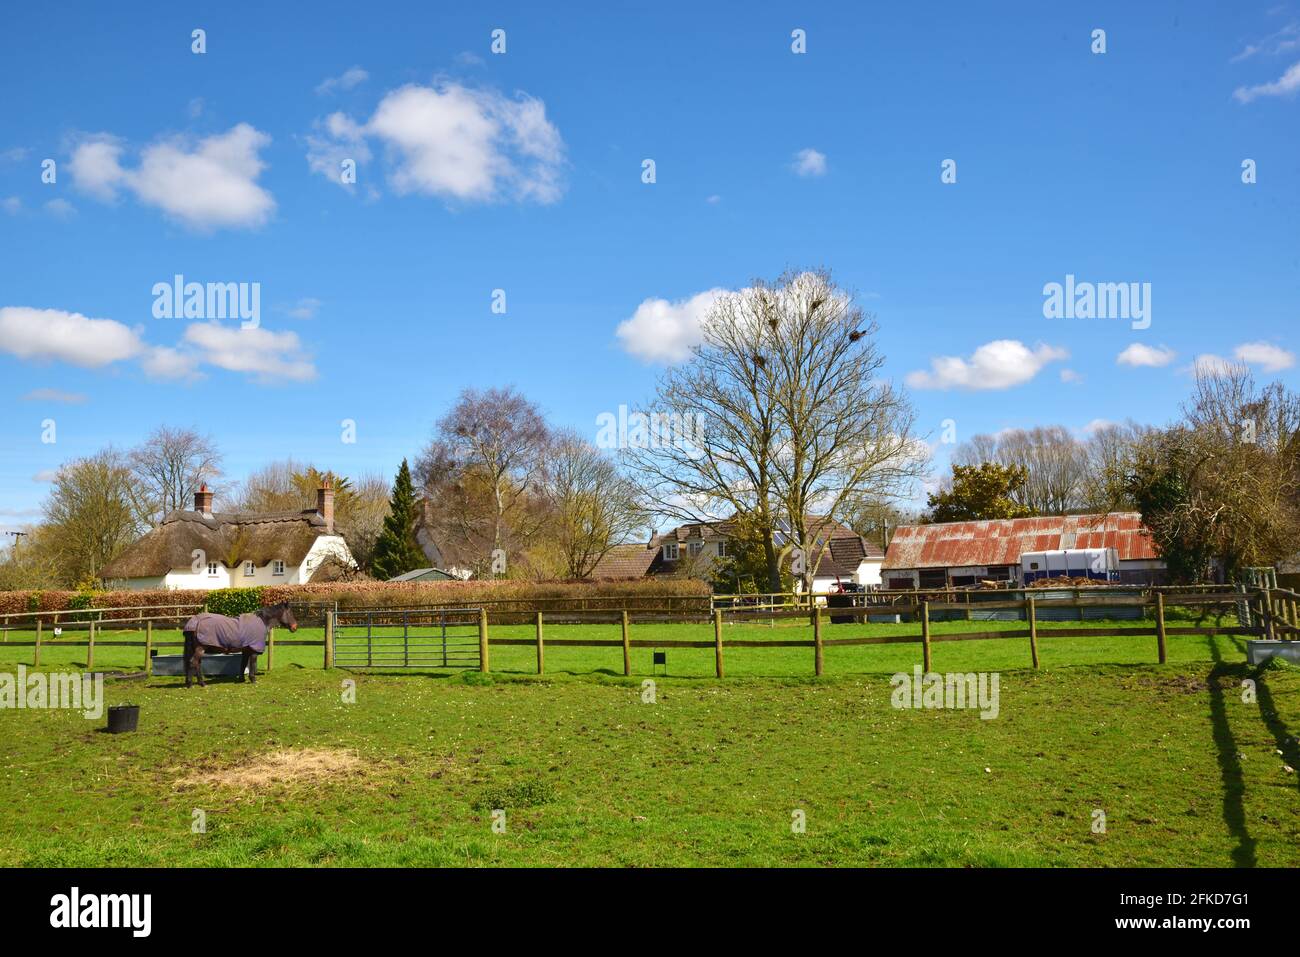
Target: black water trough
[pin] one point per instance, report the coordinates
(173, 666)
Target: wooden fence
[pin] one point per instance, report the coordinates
(1274, 614)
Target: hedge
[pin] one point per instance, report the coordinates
(506, 595)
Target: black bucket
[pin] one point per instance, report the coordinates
(123, 717)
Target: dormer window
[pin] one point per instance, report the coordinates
(249, 569)
(277, 567)
(670, 551)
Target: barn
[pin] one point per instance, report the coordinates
(955, 554)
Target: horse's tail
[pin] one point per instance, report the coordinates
(189, 643)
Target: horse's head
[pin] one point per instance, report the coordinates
(283, 616)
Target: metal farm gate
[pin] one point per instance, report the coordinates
(407, 638)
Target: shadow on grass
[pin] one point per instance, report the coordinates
(1286, 741)
(1234, 786)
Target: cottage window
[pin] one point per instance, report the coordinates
(722, 548)
(212, 569)
(249, 570)
(277, 567)
(670, 552)
(695, 548)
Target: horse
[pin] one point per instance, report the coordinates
(221, 633)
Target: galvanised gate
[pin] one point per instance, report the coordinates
(407, 638)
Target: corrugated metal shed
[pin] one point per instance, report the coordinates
(1001, 541)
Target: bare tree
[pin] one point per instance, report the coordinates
(795, 423)
(592, 505)
(171, 464)
(479, 473)
(846, 432)
(1223, 485)
(1055, 462)
(91, 514)
(724, 464)
(359, 518)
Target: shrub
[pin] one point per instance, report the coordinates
(234, 602)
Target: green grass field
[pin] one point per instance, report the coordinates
(287, 773)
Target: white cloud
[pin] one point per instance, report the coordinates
(164, 362)
(350, 78)
(207, 184)
(1096, 425)
(1207, 363)
(1286, 84)
(11, 205)
(1000, 364)
(453, 142)
(46, 475)
(305, 308)
(1138, 356)
(1267, 356)
(809, 162)
(663, 331)
(1071, 377)
(60, 208)
(52, 334)
(54, 395)
(268, 356)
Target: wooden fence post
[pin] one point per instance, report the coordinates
(717, 640)
(148, 645)
(627, 648)
(36, 662)
(541, 651)
(1266, 613)
(270, 648)
(90, 648)
(1160, 626)
(483, 664)
(1031, 612)
(329, 638)
(817, 641)
(925, 634)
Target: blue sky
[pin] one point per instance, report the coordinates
(522, 172)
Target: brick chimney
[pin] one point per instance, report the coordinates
(203, 501)
(325, 504)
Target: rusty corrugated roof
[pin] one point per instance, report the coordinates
(1001, 541)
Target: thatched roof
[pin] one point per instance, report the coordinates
(227, 537)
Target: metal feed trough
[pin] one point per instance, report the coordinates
(173, 666)
(407, 638)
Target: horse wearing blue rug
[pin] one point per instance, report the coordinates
(222, 634)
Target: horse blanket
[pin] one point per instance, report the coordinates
(245, 633)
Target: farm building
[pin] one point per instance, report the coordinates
(205, 549)
(964, 553)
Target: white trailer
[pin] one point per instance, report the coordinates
(1099, 563)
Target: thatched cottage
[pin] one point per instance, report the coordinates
(207, 549)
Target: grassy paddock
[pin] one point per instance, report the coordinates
(287, 773)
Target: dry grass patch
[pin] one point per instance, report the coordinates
(287, 767)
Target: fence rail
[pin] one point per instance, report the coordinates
(1270, 613)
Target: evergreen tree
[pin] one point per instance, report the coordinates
(397, 551)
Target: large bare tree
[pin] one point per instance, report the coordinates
(797, 425)
(479, 475)
(592, 505)
(171, 464)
